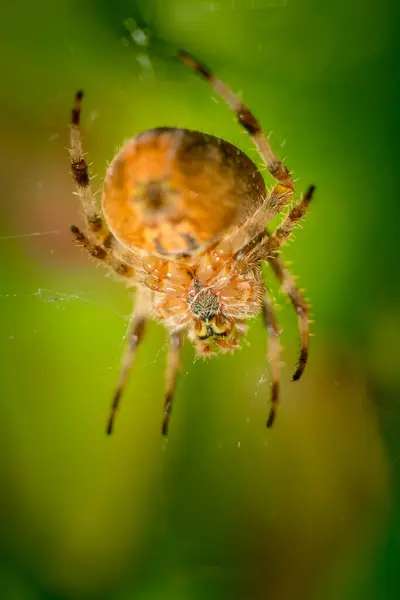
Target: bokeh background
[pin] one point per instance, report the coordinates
(224, 508)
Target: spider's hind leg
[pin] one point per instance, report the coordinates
(134, 336)
(272, 328)
(300, 305)
(174, 351)
(288, 285)
(97, 227)
(295, 214)
(265, 247)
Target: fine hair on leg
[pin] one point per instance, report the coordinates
(272, 329)
(133, 338)
(173, 364)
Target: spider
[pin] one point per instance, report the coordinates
(183, 220)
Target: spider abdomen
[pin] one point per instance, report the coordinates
(173, 192)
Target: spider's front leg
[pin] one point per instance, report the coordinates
(99, 241)
(284, 187)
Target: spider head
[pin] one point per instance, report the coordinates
(212, 330)
(216, 328)
(218, 334)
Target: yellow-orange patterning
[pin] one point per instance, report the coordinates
(183, 220)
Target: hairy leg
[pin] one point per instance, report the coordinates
(262, 245)
(300, 305)
(97, 227)
(173, 362)
(284, 189)
(134, 337)
(259, 249)
(271, 326)
(295, 214)
(102, 254)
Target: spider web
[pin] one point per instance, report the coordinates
(63, 299)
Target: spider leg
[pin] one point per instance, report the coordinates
(80, 173)
(300, 305)
(271, 326)
(173, 363)
(263, 244)
(284, 190)
(102, 254)
(295, 214)
(288, 285)
(134, 337)
(100, 242)
(259, 249)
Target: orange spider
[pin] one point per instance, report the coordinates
(183, 220)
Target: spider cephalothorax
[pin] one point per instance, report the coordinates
(205, 304)
(183, 220)
(209, 296)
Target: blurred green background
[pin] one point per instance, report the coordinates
(224, 509)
